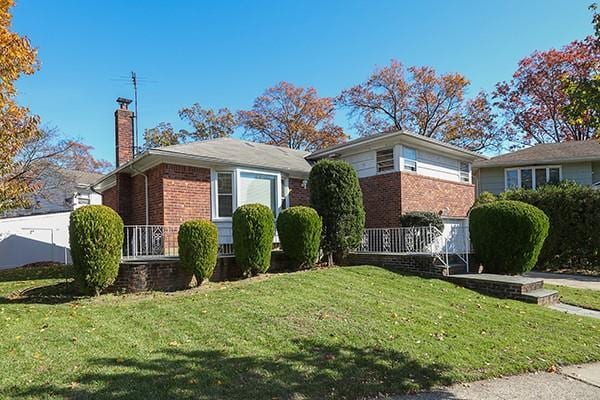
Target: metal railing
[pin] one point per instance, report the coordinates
(157, 241)
(407, 240)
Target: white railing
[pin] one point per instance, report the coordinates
(407, 240)
(157, 241)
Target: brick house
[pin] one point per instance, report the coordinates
(207, 179)
(399, 172)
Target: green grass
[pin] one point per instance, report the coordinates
(331, 333)
(585, 298)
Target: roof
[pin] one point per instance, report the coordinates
(81, 177)
(546, 153)
(390, 135)
(244, 153)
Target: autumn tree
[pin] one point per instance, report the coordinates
(17, 125)
(420, 100)
(294, 117)
(208, 123)
(161, 135)
(537, 102)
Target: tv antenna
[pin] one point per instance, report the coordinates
(135, 81)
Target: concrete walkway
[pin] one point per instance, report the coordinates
(574, 382)
(574, 281)
(569, 309)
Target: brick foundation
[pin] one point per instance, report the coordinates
(416, 264)
(167, 275)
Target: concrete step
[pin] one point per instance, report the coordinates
(541, 297)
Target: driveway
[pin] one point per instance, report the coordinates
(574, 281)
(575, 382)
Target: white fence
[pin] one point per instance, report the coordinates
(411, 240)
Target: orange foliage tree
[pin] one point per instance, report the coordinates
(290, 116)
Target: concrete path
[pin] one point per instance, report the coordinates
(576, 382)
(569, 309)
(575, 281)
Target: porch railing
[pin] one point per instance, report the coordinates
(157, 241)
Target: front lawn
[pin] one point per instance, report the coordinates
(332, 333)
(585, 298)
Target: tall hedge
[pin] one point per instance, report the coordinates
(508, 235)
(574, 212)
(96, 239)
(336, 195)
(198, 248)
(422, 218)
(299, 230)
(253, 232)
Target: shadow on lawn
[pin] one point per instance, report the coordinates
(313, 370)
(58, 293)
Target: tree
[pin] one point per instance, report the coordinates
(161, 135)
(208, 123)
(536, 103)
(290, 116)
(419, 100)
(17, 126)
(336, 195)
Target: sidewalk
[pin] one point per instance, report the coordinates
(574, 281)
(580, 382)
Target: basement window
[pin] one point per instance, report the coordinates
(385, 160)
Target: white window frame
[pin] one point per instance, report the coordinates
(390, 168)
(533, 178)
(236, 172)
(461, 172)
(416, 162)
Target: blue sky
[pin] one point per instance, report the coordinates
(224, 54)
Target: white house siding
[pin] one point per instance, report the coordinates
(428, 163)
(578, 172)
(596, 172)
(34, 238)
(490, 180)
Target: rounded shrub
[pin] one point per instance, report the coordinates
(299, 230)
(508, 235)
(422, 218)
(485, 198)
(198, 248)
(336, 195)
(253, 232)
(96, 239)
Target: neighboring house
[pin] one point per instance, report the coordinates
(41, 232)
(401, 172)
(577, 161)
(207, 179)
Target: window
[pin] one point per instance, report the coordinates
(464, 171)
(258, 188)
(410, 158)
(284, 194)
(385, 160)
(531, 177)
(224, 194)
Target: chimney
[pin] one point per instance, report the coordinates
(124, 132)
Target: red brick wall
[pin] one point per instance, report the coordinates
(124, 190)
(123, 136)
(155, 197)
(186, 193)
(299, 196)
(381, 198)
(422, 193)
(109, 198)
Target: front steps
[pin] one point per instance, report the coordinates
(521, 288)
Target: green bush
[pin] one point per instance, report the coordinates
(574, 212)
(299, 231)
(485, 198)
(336, 195)
(422, 218)
(96, 238)
(198, 248)
(253, 232)
(508, 235)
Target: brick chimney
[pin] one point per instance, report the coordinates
(124, 132)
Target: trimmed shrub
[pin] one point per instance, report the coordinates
(253, 232)
(422, 218)
(485, 198)
(198, 248)
(96, 238)
(574, 212)
(336, 195)
(299, 231)
(508, 235)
